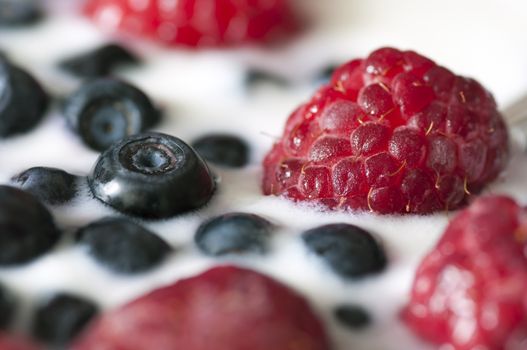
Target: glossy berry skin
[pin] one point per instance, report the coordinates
(352, 316)
(216, 307)
(153, 176)
(49, 185)
(60, 318)
(106, 110)
(348, 250)
(123, 246)
(392, 133)
(234, 233)
(16, 13)
(197, 23)
(99, 62)
(17, 87)
(221, 149)
(7, 307)
(469, 291)
(10, 342)
(27, 227)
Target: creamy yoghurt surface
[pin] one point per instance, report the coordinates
(203, 91)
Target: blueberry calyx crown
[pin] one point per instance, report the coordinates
(153, 176)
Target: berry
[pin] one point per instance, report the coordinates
(14, 13)
(99, 62)
(325, 73)
(10, 342)
(106, 110)
(221, 149)
(216, 307)
(7, 307)
(27, 229)
(122, 245)
(197, 23)
(153, 176)
(256, 76)
(234, 233)
(392, 133)
(469, 291)
(348, 250)
(17, 87)
(352, 316)
(49, 185)
(60, 318)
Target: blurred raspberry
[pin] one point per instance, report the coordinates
(9, 342)
(469, 292)
(194, 23)
(226, 308)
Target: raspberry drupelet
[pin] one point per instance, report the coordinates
(198, 23)
(391, 133)
(469, 292)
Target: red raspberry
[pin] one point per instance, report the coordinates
(8, 342)
(392, 133)
(226, 308)
(196, 22)
(469, 292)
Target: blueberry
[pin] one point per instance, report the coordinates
(50, 185)
(352, 316)
(99, 62)
(324, 76)
(350, 251)
(226, 150)
(122, 245)
(19, 12)
(234, 233)
(107, 110)
(256, 76)
(60, 318)
(152, 176)
(27, 229)
(23, 102)
(7, 307)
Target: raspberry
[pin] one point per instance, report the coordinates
(9, 342)
(226, 308)
(392, 133)
(197, 23)
(469, 292)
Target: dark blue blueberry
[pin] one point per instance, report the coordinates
(99, 62)
(7, 307)
(349, 250)
(234, 233)
(352, 316)
(60, 318)
(23, 102)
(106, 110)
(324, 76)
(256, 76)
(14, 13)
(50, 185)
(27, 229)
(152, 176)
(226, 150)
(122, 245)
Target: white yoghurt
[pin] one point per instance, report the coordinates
(202, 92)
